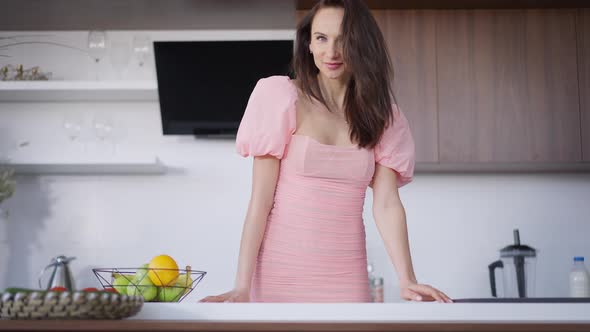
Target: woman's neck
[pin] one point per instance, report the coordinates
(333, 91)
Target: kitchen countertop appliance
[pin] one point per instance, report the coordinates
(60, 274)
(518, 263)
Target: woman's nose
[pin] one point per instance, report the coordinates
(334, 50)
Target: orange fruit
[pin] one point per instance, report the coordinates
(163, 270)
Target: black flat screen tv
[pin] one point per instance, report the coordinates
(204, 86)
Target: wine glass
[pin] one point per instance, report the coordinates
(103, 126)
(97, 48)
(142, 48)
(72, 125)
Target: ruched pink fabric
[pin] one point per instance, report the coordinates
(314, 247)
(396, 148)
(269, 119)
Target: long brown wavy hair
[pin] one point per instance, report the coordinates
(369, 95)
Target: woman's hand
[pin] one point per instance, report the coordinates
(234, 295)
(412, 291)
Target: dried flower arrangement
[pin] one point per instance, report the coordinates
(7, 184)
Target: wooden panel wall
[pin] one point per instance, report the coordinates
(410, 35)
(553, 100)
(459, 4)
(506, 86)
(583, 28)
(492, 85)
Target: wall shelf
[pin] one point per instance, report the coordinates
(111, 166)
(37, 91)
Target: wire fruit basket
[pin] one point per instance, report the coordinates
(151, 283)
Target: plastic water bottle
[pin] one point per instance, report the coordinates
(579, 279)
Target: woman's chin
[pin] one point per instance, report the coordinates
(333, 74)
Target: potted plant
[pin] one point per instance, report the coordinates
(7, 184)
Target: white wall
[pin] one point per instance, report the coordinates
(457, 223)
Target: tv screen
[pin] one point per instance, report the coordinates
(204, 86)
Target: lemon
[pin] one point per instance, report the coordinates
(163, 270)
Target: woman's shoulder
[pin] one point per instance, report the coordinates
(269, 118)
(276, 84)
(274, 92)
(276, 79)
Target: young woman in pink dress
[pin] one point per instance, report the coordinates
(318, 142)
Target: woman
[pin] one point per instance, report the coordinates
(318, 142)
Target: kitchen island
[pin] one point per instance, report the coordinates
(411, 316)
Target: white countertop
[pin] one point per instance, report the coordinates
(423, 312)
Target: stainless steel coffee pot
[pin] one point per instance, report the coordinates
(60, 273)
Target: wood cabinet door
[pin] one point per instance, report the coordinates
(583, 27)
(410, 38)
(507, 86)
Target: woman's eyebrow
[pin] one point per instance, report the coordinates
(319, 33)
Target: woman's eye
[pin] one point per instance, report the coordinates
(320, 38)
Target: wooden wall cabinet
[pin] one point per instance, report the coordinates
(493, 87)
(583, 28)
(410, 36)
(507, 86)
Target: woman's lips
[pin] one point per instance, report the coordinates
(333, 65)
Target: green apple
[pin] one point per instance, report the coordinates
(141, 272)
(143, 287)
(173, 293)
(170, 294)
(120, 284)
(184, 281)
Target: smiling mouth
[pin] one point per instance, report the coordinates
(333, 65)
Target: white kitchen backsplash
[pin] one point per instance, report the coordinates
(457, 222)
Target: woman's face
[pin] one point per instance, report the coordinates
(326, 42)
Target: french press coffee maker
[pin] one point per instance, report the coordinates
(518, 263)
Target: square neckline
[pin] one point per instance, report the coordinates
(314, 140)
(331, 146)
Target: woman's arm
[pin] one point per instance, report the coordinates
(264, 180)
(390, 217)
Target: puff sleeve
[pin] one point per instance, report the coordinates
(269, 119)
(396, 148)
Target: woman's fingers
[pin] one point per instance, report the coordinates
(213, 298)
(231, 299)
(231, 296)
(411, 295)
(423, 292)
(430, 291)
(446, 297)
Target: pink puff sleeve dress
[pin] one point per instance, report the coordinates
(314, 249)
